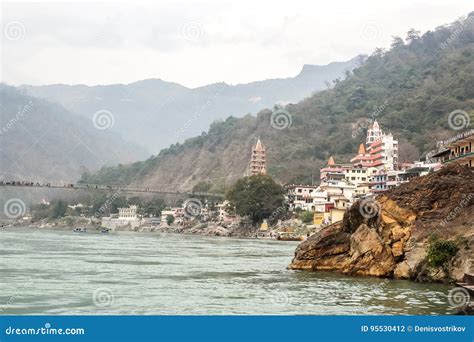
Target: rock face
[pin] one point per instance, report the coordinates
(388, 236)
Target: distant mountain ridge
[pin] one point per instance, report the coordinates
(155, 114)
(42, 141)
(411, 90)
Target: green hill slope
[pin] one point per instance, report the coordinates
(410, 90)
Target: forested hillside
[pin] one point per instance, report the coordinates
(410, 89)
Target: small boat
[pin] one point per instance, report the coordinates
(290, 238)
(80, 230)
(105, 231)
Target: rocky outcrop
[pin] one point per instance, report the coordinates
(388, 236)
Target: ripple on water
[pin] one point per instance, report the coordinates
(176, 274)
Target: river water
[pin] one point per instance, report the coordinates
(61, 272)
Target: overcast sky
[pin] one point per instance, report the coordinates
(200, 42)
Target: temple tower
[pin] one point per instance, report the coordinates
(258, 162)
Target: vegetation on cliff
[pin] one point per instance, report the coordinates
(410, 90)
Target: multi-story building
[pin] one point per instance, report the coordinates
(333, 172)
(374, 132)
(126, 218)
(363, 158)
(258, 162)
(360, 177)
(299, 196)
(458, 149)
(128, 213)
(384, 153)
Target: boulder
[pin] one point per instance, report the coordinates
(391, 240)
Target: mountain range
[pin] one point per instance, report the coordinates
(42, 141)
(411, 89)
(154, 113)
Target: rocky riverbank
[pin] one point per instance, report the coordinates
(422, 230)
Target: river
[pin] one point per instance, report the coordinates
(61, 272)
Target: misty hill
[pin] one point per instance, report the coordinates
(410, 89)
(156, 114)
(40, 141)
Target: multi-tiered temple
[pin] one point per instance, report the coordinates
(258, 162)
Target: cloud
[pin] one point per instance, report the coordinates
(197, 43)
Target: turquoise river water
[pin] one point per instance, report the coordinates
(61, 272)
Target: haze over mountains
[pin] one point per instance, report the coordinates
(410, 89)
(155, 114)
(42, 141)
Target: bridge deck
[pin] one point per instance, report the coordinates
(117, 188)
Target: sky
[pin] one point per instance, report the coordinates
(195, 43)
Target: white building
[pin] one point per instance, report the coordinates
(127, 218)
(128, 213)
(299, 196)
(383, 149)
(176, 212)
(374, 132)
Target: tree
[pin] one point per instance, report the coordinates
(413, 35)
(118, 202)
(256, 197)
(59, 209)
(154, 207)
(306, 216)
(397, 42)
(169, 219)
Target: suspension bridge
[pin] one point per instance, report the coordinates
(108, 188)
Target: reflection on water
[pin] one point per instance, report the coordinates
(49, 272)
